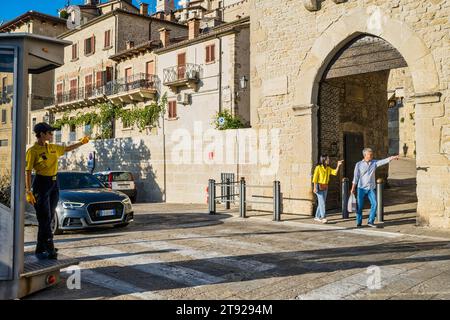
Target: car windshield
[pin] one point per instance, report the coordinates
(78, 181)
(122, 176)
(116, 176)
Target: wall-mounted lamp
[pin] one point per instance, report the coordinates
(243, 82)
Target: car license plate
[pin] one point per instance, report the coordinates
(123, 186)
(106, 213)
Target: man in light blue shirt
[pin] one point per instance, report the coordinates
(364, 180)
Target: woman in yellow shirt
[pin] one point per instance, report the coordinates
(320, 180)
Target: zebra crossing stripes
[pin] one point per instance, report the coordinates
(218, 258)
(116, 285)
(148, 264)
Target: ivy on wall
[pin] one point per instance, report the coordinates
(107, 113)
(225, 120)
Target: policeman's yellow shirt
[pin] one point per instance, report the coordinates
(44, 159)
(322, 174)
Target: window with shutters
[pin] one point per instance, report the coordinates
(88, 85)
(73, 89)
(128, 75)
(181, 66)
(210, 53)
(99, 79)
(59, 92)
(109, 74)
(74, 51)
(89, 45)
(150, 67)
(172, 109)
(107, 43)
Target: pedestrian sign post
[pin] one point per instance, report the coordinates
(21, 54)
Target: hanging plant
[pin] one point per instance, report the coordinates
(107, 113)
(225, 120)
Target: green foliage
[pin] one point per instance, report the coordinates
(230, 121)
(63, 14)
(108, 112)
(5, 188)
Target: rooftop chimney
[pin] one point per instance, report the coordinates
(194, 28)
(169, 17)
(143, 9)
(91, 2)
(164, 35)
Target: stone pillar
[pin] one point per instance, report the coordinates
(301, 162)
(433, 161)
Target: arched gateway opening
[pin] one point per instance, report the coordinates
(371, 28)
(364, 96)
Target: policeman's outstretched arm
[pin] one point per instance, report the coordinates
(77, 145)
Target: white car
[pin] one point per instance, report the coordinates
(122, 181)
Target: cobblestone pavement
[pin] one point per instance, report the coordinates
(180, 252)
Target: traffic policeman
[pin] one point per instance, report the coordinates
(43, 194)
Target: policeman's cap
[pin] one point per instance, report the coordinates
(43, 127)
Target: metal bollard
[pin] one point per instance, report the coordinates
(227, 194)
(380, 204)
(212, 196)
(345, 196)
(242, 198)
(276, 201)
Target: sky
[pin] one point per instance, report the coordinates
(13, 8)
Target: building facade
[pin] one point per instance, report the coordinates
(40, 85)
(131, 60)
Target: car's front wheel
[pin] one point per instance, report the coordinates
(55, 226)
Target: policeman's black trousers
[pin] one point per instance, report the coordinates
(46, 191)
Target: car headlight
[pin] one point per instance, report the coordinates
(127, 204)
(127, 201)
(72, 205)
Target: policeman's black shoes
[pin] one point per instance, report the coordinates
(46, 252)
(47, 255)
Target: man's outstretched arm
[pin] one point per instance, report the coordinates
(383, 162)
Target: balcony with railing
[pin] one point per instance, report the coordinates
(135, 88)
(66, 99)
(183, 75)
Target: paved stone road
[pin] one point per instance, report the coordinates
(179, 252)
